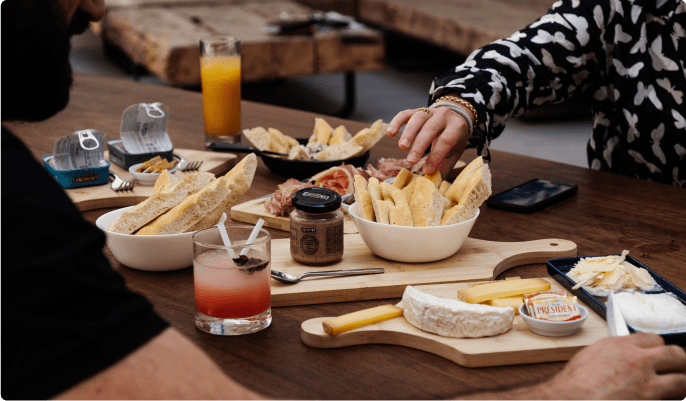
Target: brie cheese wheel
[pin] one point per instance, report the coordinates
(453, 318)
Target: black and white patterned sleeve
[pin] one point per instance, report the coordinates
(548, 61)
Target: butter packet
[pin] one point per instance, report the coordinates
(556, 309)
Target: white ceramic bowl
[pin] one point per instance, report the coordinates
(149, 252)
(553, 329)
(411, 244)
(146, 178)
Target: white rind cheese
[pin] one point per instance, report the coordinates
(453, 318)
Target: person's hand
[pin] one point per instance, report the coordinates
(445, 130)
(634, 367)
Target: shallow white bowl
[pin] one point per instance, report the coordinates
(146, 178)
(411, 244)
(149, 252)
(553, 329)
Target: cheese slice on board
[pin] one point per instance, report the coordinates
(361, 318)
(502, 289)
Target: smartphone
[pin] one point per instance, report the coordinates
(531, 196)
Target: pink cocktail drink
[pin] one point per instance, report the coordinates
(223, 289)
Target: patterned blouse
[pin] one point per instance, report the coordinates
(628, 55)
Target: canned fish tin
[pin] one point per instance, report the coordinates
(316, 226)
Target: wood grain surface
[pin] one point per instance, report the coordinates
(517, 346)
(608, 214)
(102, 196)
(163, 37)
(477, 260)
(459, 25)
(251, 211)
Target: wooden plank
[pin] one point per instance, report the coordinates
(164, 38)
(477, 260)
(102, 196)
(515, 347)
(458, 25)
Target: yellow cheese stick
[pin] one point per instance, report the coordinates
(513, 302)
(361, 318)
(502, 289)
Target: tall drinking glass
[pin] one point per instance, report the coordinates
(220, 77)
(232, 283)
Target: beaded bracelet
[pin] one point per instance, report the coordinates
(462, 102)
(459, 110)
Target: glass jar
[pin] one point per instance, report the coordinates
(316, 226)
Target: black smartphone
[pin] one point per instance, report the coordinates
(531, 196)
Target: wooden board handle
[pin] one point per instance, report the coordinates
(528, 252)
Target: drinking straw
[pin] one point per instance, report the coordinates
(253, 235)
(227, 241)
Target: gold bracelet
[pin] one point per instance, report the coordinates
(462, 102)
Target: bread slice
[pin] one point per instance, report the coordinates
(403, 178)
(409, 188)
(278, 141)
(443, 188)
(184, 215)
(339, 151)
(143, 213)
(435, 177)
(399, 214)
(322, 132)
(476, 191)
(238, 181)
(259, 137)
(299, 152)
(288, 141)
(340, 134)
(427, 205)
(454, 193)
(381, 216)
(165, 180)
(363, 198)
(368, 137)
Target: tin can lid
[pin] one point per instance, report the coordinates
(316, 200)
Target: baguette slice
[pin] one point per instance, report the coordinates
(143, 213)
(368, 137)
(299, 152)
(476, 191)
(340, 134)
(259, 137)
(339, 151)
(454, 193)
(286, 141)
(322, 132)
(403, 178)
(363, 198)
(165, 180)
(399, 213)
(379, 206)
(190, 211)
(435, 177)
(238, 181)
(427, 204)
(443, 188)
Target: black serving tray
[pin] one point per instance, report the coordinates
(559, 267)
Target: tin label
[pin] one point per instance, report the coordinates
(80, 150)
(144, 128)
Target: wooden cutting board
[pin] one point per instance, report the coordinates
(251, 211)
(477, 260)
(102, 196)
(517, 346)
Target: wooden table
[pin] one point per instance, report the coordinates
(458, 25)
(610, 213)
(163, 36)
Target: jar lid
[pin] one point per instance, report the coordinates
(316, 200)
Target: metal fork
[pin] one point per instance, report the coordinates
(185, 165)
(120, 185)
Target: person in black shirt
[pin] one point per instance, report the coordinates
(70, 327)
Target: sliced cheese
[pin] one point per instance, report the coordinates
(361, 318)
(502, 289)
(452, 318)
(512, 302)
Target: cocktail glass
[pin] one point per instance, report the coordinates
(220, 77)
(232, 283)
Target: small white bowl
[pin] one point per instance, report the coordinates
(553, 329)
(146, 178)
(149, 252)
(411, 244)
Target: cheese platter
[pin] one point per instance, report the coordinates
(102, 196)
(477, 260)
(519, 345)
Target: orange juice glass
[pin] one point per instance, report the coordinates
(220, 76)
